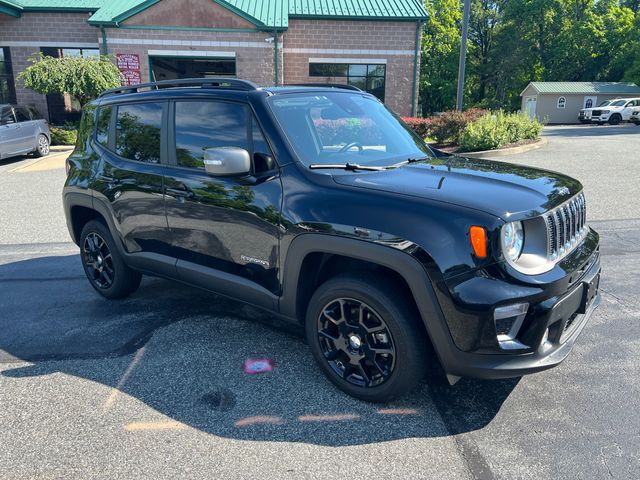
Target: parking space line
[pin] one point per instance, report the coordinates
(125, 376)
(146, 426)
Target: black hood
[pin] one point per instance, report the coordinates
(502, 189)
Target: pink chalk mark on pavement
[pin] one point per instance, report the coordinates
(257, 365)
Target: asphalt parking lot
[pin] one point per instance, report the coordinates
(152, 386)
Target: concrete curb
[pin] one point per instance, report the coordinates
(506, 151)
(61, 148)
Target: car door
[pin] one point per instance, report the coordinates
(128, 181)
(628, 109)
(27, 131)
(10, 136)
(222, 227)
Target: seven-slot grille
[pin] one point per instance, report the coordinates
(566, 226)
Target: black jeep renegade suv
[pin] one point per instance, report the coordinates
(321, 206)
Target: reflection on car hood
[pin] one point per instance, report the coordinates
(501, 189)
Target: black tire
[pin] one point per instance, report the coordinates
(615, 119)
(104, 266)
(42, 147)
(404, 335)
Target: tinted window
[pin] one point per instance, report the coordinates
(202, 125)
(22, 115)
(138, 132)
(6, 116)
(35, 115)
(102, 125)
(259, 142)
(86, 126)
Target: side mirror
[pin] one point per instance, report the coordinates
(227, 161)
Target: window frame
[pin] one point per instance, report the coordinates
(348, 76)
(250, 117)
(111, 141)
(564, 102)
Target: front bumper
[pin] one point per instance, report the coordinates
(562, 319)
(558, 312)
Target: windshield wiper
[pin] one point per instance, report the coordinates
(410, 160)
(346, 166)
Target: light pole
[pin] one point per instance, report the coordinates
(463, 53)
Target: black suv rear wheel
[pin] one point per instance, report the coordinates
(366, 337)
(103, 265)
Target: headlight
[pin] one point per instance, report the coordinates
(512, 239)
(604, 112)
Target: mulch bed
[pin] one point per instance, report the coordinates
(451, 148)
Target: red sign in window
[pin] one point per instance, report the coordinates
(129, 66)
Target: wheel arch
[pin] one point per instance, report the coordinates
(309, 255)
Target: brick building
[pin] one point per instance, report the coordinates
(371, 44)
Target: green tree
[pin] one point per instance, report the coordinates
(439, 62)
(82, 78)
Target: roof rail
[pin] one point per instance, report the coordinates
(344, 86)
(217, 82)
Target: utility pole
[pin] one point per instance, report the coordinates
(463, 53)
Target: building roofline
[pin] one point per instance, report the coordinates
(625, 88)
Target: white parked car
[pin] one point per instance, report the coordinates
(635, 117)
(612, 111)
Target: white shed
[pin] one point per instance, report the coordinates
(561, 102)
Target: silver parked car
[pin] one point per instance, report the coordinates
(22, 131)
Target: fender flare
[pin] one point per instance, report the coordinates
(405, 265)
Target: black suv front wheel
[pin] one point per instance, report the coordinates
(365, 336)
(104, 265)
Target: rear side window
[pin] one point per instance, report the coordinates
(202, 125)
(86, 126)
(138, 129)
(35, 115)
(22, 115)
(103, 119)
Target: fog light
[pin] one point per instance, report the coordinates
(508, 321)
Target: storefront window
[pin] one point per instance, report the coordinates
(367, 77)
(7, 85)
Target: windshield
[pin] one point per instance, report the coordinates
(345, 127)
(618, 103)
(605, 103)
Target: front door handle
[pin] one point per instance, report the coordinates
(107, 179)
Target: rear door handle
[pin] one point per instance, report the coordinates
(179, 192)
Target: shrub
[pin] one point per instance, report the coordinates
(497, 130)
(422, 126)
(63, 136)
(448, 126)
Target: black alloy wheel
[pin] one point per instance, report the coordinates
(356, 342)
(367, 336)
(103, 264)
(98, 261)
